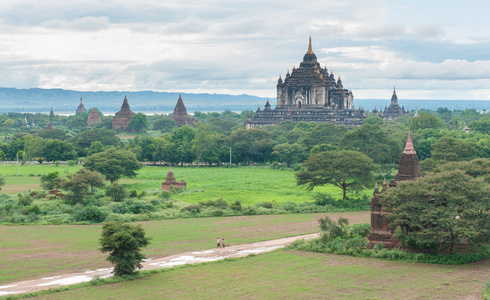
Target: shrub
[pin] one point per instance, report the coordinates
(266, 204)
(117, 192)
(90, 214)
(133, 193)
(23, 199)
(217, 213)
(193, 209)
(290, 206)
(236, 205)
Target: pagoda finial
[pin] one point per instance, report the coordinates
(81, 100)
(409, 145)
(376, 189)
(310, 49)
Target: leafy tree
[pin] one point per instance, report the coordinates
(76, 122)
(54, 134)
(95, 147)
(289, 153)
(84, 140)
(113, 164)
(482, 125)
(164, 124)
(50, 181)
(79, 183)
(2, 181)
(440, 210)
(33, 146)
(325, 133)
(348, 170)
(124, 242)
(138, 123)
(181, 145)
(374, 142)
(452, 149)
(58, 150)
(373, 120)
(251, 144)
(205, 144)
(426, 121)
(117, 192)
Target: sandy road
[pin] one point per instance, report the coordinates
(165, 262)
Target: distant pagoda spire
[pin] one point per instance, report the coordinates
(408, 167)
(310, 49)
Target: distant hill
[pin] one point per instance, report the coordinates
(66, 101)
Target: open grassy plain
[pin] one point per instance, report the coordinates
(286, 274)
(28, 252)
(249, 185)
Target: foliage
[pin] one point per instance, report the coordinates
(164, 124)
(373, 141)
(452, 149)
(138, 123)
(117, 192)
(113, 164)
(426, 121)
(86, 138)
(50, 180)
(251, 144)
(124, 242)
(289, 153)
(79, 183)
(348, 170)
(91, 214)
(58, 150)
(440, 210)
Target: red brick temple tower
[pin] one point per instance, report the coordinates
(170, 181)
(122, 117)
(93, 118)
(408, 169)
(180, 115)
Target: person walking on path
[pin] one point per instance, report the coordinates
(218, 245)
(223, 243)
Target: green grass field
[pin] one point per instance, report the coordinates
(298, 275)
(28, 252)
(249, 185)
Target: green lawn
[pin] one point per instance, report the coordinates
(249, 185)
(28, 252)
(298, 275)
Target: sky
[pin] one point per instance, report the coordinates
(426, 49)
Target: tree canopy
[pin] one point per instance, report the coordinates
(113, 163)
(440, 210)
(124, 243)
(348, 170)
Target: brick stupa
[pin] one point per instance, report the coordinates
(81, 108)
(93, 118)
(408, 169)
(170, 181)
(180, 115)
(122, 117)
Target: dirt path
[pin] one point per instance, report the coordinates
(169, 261)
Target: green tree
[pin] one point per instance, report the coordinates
(113, 164)
(426, 121)
(117, 192)
(2, 181)
(325, 133)
(181, 145)
(205, 143)
(482, 125)
(84, 140)
(164, 124)
(251, 144)
(374, 142)
(79, 183)
(440, 210)
(348, 170)
(95, 147)
(124, 243)
(373, 120)
(289, 153)
(58, 150)
(138, 123)
(452, 149)
(50, 181)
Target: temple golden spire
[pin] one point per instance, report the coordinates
(310, 50)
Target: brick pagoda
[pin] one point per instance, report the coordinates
(122, 117)
(408, 169)
(180, 115)
(93, 118)
(170, 181)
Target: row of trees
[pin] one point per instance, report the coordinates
(217, 140)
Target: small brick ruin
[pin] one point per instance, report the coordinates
(93, 118)
(170, 181)
(408, 169)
